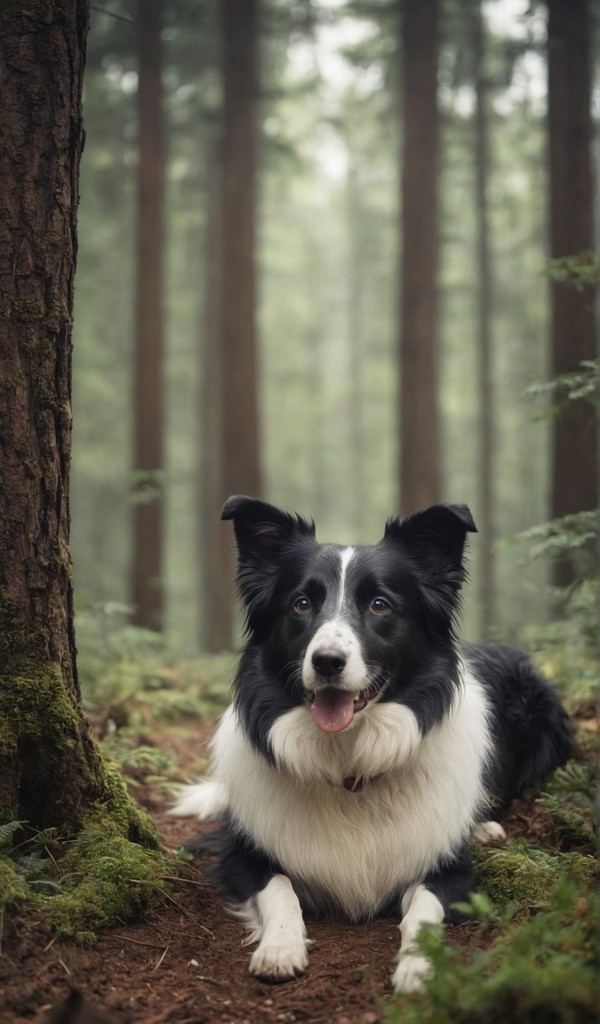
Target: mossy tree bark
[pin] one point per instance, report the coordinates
(50, 770)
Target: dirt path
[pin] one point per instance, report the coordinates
(184, 963)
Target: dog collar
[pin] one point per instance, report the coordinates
(354, 783)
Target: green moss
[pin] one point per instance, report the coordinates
(52, 238)
(132, 821)
(57, 314)
(527, 875)
(36, 710)
(515, 873)
(29, 311)
(39, 700)
(103, 880)
(14, 891)
(51, 773)
(18, 640)
(13, 378)
(38, 343)
(107, 880)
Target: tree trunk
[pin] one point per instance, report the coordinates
(483, 278)
(237, 346)
(215, 610)
(418, 347)
(356, 338)
(575, 447)
(147, 590)
(50, 771)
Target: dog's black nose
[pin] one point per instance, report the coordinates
(327, 662)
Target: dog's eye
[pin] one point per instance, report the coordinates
(302, 606)
(379, 606)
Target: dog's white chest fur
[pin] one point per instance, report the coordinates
(355, 851)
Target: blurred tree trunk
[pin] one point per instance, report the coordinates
(215, 612)
(50, 771)
(483, 278)
(418, 345)
(147, 483)
(574, 448)
(316, 344)
(240, 469)
(356, 337)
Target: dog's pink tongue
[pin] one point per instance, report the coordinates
(332, 710)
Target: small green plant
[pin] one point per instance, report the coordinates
(541, 969)
(571, 800)
(581, 271)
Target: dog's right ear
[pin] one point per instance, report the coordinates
(263, 533)
(263, 529)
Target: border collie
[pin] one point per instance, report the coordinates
(363, 748)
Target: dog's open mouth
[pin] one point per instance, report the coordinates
(334, 709)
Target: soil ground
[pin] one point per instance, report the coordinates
(183, 963)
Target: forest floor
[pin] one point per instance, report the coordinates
(183, 961)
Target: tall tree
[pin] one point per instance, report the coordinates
(356, 318)
(418, 344)
(483, 277)
(239, 431)
(215, 627)
(575, 445)
(50, 770)
(148, 457)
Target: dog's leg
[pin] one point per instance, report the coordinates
(419, 906)
(281, 954)
(429, 902)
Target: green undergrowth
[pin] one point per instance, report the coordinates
(539, 968)
(98, 879)
(130, 680)
(132, 687)
(531, 957)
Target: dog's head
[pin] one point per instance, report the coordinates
(346, 626)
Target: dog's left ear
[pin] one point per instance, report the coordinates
(263, 533)
(436, 536)
(435, 540)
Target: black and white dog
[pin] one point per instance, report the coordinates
(364, 748)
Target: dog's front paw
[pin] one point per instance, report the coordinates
(411, 973)
(489, 832)
(279, 963)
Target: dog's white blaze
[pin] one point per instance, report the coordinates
(345, 556)
(336, 635)
(357, 850)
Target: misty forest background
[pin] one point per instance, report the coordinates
(311, 379)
